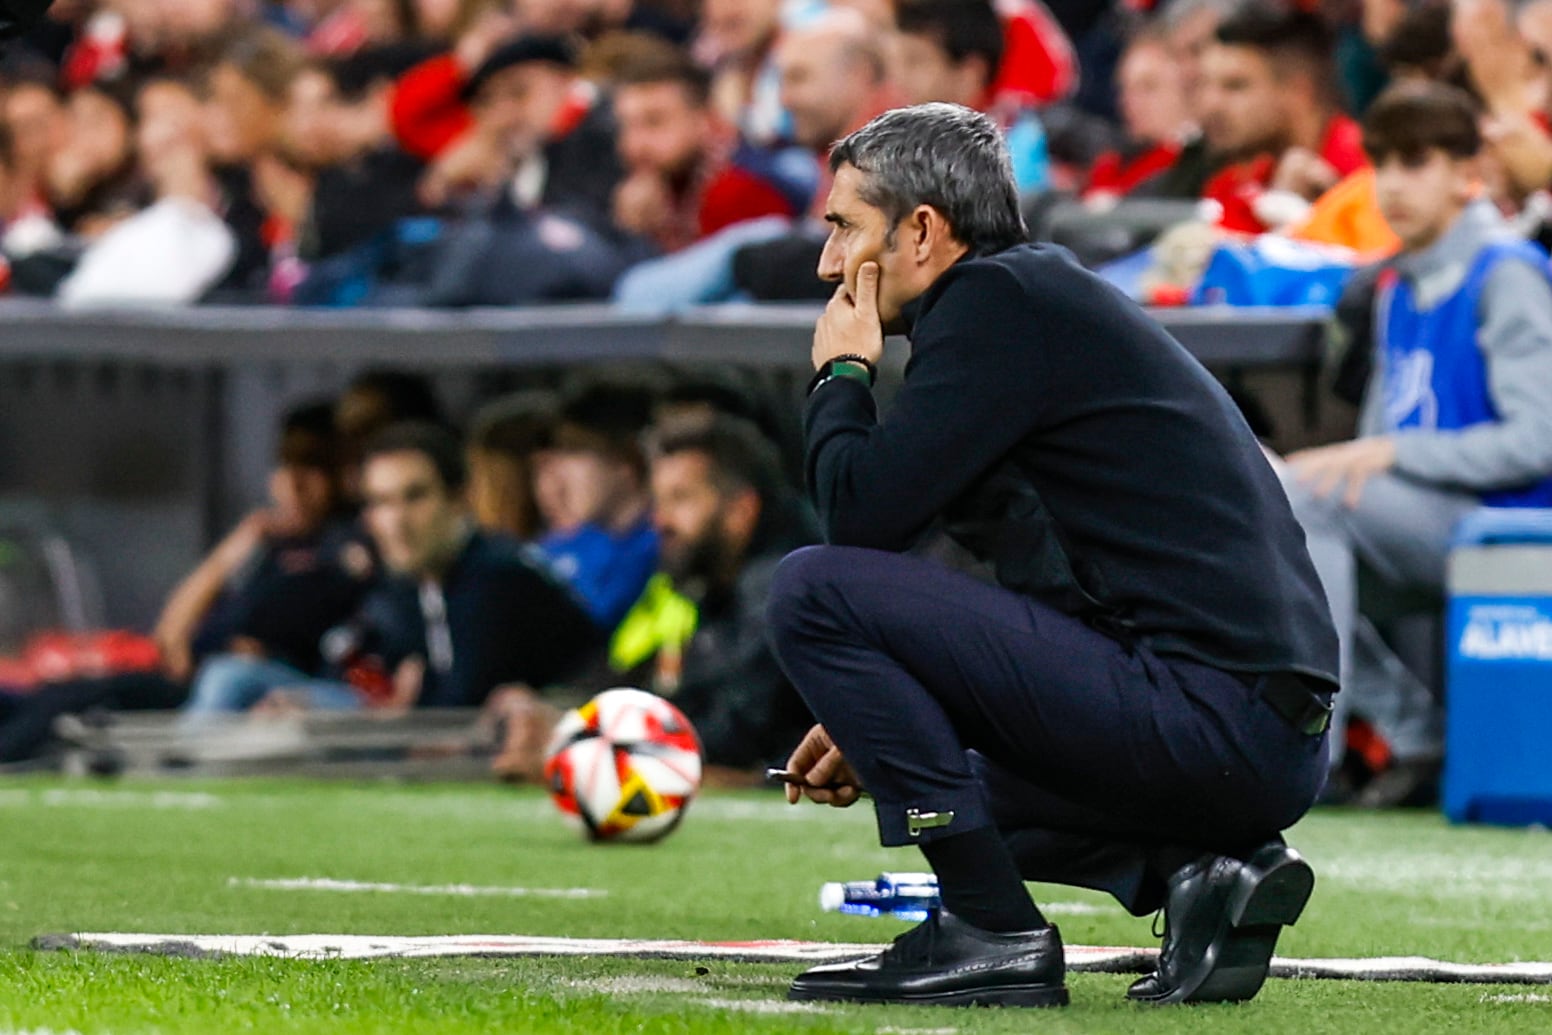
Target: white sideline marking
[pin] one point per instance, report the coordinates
(638, 986)
(1531, 998)
(762, 1005)
(1515, 879)
(463, 890)
(1067, 909)
(1109, 959)
(56, 798)
(916, 1031)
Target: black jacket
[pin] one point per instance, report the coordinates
(1064, 438)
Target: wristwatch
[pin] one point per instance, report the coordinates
(857, 368)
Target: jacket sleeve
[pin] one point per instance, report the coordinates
(973, 388)
(1516, 339)
(427, 110)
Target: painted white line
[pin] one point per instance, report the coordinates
(915, 1031)
(58, 798)
(762, 1005)
(1530, 998)
(1431, 875)
(1075, 909)
(461, 890)
(1080, 958)
(638, 986)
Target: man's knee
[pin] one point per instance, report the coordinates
(803, 582)
(221, 681)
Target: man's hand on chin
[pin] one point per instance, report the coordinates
(850, 325)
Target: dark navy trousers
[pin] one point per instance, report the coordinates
(1102, 764)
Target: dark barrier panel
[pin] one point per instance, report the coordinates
(142, 435)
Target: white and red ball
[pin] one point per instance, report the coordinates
(624, 766)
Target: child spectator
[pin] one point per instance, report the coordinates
(1457, 412)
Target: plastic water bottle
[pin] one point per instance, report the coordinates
(906, 896)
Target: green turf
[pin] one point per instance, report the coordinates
(163, 858)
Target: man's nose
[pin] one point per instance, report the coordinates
(832, 263)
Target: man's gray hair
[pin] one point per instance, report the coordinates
(943, 155)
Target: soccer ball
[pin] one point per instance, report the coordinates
(623, 766)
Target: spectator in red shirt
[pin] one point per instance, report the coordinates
(1155, 109)
(1039, 66)
(687, 175)
(525, 120)
(1269, 108)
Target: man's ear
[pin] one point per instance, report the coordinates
(926, 229)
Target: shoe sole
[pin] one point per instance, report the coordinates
(1267, 900)
(1008, 995)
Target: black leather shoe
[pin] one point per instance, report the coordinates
(945, 961)
(1221, 921)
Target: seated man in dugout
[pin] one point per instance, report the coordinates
(725, 518)
(461, 613)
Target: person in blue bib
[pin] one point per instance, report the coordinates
(1457, 412)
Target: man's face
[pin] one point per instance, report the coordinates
(1188, 43)
(304, 496)
(413, 519)
(660, 129)
(822, 88)
(738, 28)
(242, 120)
(39, 125)
(1241, 108)
(313, 125)
(858, 233)
(1152, 93)
(689, 513)
(579, 486)
(521, 103)
(1420, 198)
(925, 73)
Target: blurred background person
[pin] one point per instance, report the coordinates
(591, 486)
(177, 248)
(952, 50)
(1269, 108)
(687, 173)
(506, 438)
(1157, 120)
(696, 635)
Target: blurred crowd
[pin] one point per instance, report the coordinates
(663, 152)
(568, 540)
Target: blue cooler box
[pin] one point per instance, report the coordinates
(1498, 739)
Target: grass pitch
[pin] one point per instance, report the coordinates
(191, 858)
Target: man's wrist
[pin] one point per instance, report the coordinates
(856, 368)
